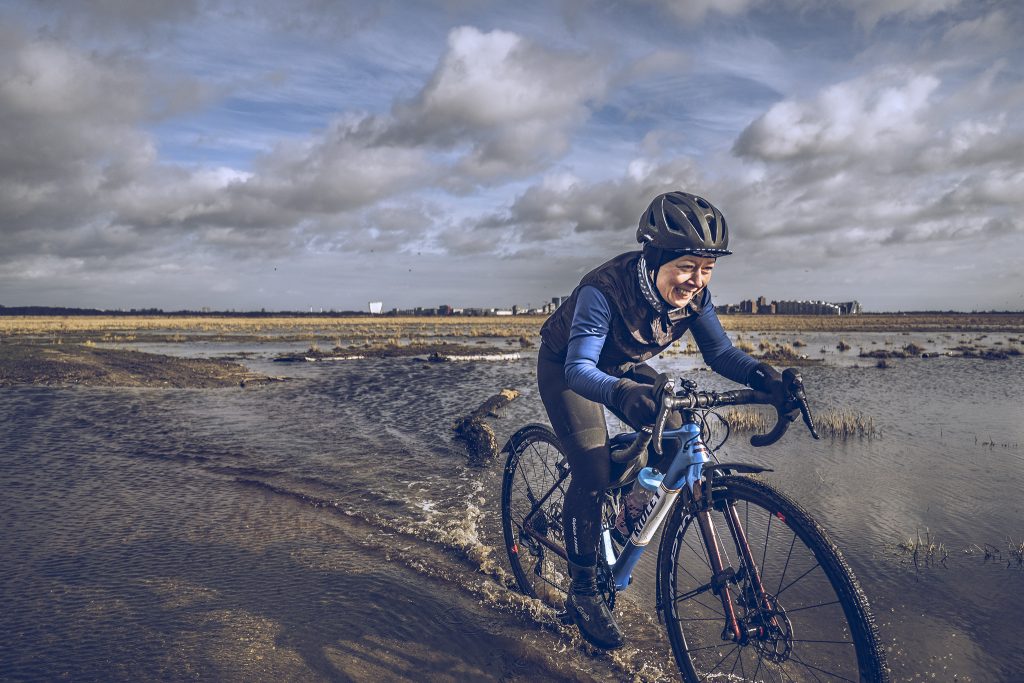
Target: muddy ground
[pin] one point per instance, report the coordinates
(48, 364)
(76, 364)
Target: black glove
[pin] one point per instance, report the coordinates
(636, 402)
(767, 379)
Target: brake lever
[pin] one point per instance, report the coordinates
(795, 387)
(664, 390)
(805, 410)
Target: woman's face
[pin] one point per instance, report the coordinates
(680, 279)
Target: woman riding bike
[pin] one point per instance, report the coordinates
(594, 346)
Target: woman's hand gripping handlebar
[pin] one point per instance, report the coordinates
(688, 398)
(794, 404)
(663, 392)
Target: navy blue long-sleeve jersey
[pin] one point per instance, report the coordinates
(590, 325)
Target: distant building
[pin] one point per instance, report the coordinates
(762, 307)
(444, 309)
(806, 308)
(850, 308)
(376, 307)
(557, 301)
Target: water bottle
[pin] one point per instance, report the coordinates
(634, 502)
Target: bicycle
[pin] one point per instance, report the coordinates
(749, 586)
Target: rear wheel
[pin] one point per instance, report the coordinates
(532, 499)
(811, 623)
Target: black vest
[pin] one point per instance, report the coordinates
(638, 332)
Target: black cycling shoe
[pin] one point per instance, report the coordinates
(589, 611)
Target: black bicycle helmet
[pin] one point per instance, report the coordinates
(684, 223)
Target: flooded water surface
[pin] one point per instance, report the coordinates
(329, 527)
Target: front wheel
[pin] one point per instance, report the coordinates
(800, 610)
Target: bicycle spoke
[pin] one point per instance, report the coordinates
(767, 535)
(785, 567)
(703, 550)
(760, 661)
(812, 669)
(739, 661)
(735, 649)
(824, 642)
(794, 610)
(710, 647)
(796, 580)
(692, 594)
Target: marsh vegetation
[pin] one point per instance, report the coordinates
(833, 423)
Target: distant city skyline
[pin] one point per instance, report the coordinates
(282, 155)
(759, 306)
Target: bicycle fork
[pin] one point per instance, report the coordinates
(722, 575)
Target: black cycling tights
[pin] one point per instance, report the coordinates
(580, 426)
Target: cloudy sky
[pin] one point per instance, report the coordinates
(326, 153)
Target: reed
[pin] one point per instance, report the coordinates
(360, 327)
(837, 424)
(328, 329)
(744, 421)
(846, 423)
(781, 353)
(913, 349)
(743, 345)
(1016, 551)
(924, 551)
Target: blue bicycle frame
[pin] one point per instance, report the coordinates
(686, 470)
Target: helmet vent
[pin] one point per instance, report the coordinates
(702, 203)
(691, 217)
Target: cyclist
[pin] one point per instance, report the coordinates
(592, 354)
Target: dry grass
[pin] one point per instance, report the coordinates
(837, 424)
(782, 353)
(1016, 551)
(1013, 554)
(924, 551)
(750, 420)
(877, 322)
(844, 424)
(525, 325)
(743, 345)
(174, 328)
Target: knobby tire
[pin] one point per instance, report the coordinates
(815, 623)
